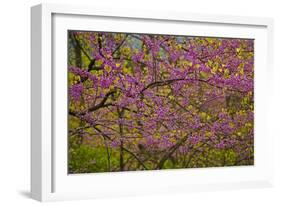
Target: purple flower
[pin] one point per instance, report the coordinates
(105, 83)
(115, 143)
(76, 91)
(194, 140)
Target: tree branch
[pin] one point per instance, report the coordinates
(102, 103)
(79, 45)
(118, 47)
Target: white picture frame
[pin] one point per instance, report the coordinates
(49, 178)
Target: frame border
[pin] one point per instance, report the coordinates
(42, 83)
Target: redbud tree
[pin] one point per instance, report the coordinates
(146, 101)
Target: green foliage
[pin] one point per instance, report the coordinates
(86, 159)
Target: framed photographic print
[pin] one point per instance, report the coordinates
(135, 102)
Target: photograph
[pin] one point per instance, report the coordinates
(156, 101)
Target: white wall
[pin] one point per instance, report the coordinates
(15, 95)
